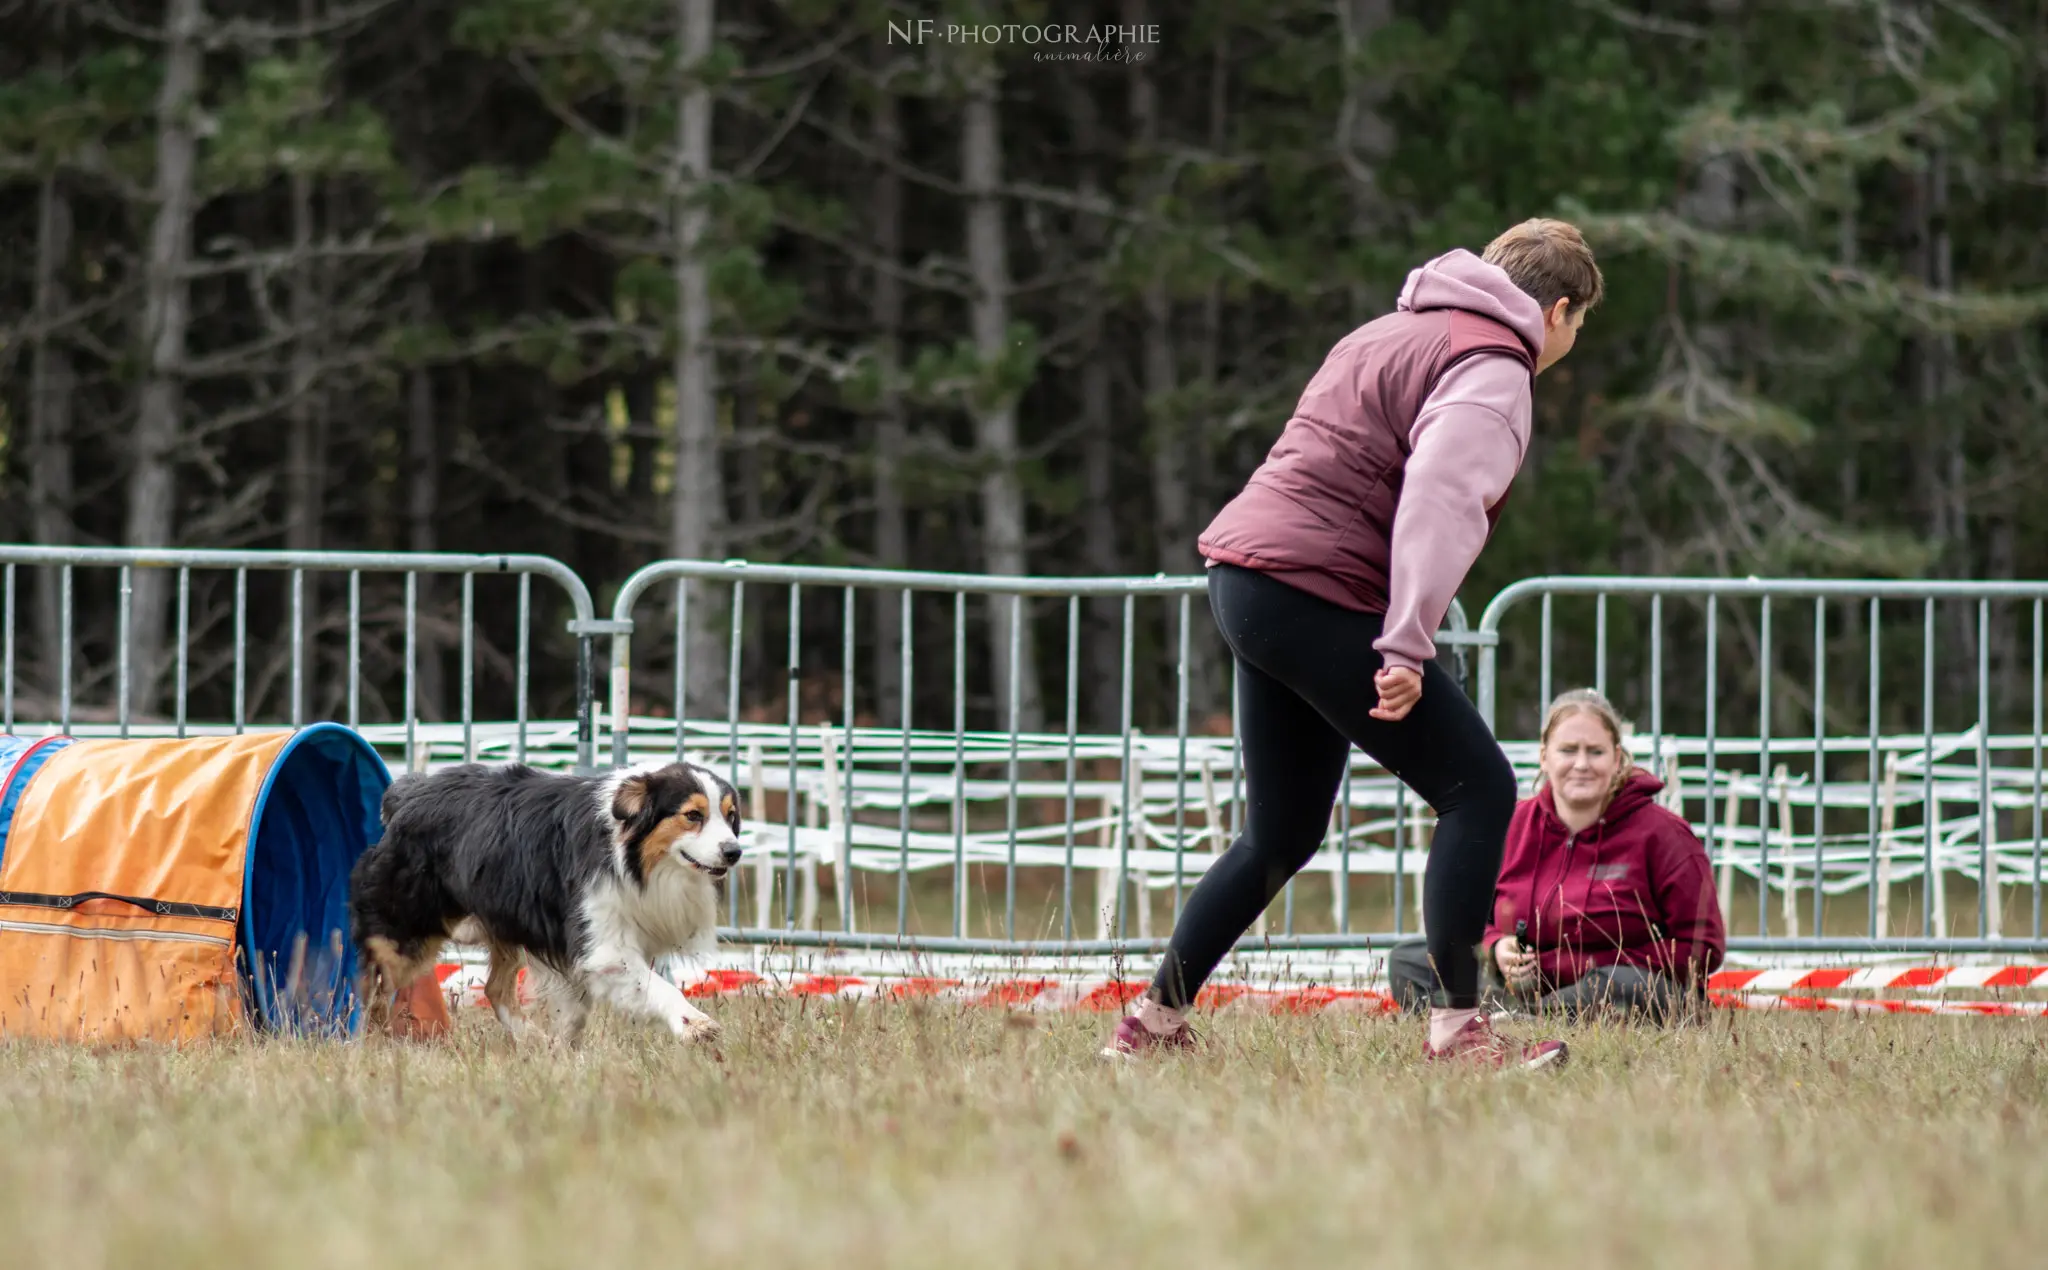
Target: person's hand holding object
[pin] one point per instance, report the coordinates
(1400, 688)
(1516, 966)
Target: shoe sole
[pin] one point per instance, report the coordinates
(1555, 1058)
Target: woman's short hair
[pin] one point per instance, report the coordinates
(1549, 259)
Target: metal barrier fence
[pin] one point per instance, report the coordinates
(1849, 784)
(840, 782)
(292, 635)
(983, 823)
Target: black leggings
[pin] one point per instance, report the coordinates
(1305, 690)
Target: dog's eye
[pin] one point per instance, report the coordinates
(694, 817)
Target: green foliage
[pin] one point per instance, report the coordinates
(1778, 273)
(1801, 363)
(50, 117)
(281, 119)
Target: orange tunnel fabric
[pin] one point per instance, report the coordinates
(125, 904)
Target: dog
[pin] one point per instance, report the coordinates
(589, 879)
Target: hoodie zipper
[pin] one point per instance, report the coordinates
(1571, 839)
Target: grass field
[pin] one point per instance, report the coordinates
(863, 1135)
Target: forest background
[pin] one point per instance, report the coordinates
(800, 281)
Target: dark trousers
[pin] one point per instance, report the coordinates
(1626, 990)
(1305, 696)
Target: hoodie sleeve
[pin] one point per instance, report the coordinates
(1464, 451)
(1682, 882)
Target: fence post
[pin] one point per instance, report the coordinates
(586, 630)
(1489, 651)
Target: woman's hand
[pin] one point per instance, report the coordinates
(1400, 688)
(1516, 966)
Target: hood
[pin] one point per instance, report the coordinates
(1460, 280)
(1637, 792)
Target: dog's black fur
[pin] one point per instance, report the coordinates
(585, 876)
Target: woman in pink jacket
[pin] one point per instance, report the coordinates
(1605, 899)
(1329, 575)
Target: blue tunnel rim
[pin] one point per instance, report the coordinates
(20, 773)
(245, 940)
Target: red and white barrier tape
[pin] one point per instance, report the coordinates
(1878, 978)
(1772, 989)
(1869, 1005)
(464, 985)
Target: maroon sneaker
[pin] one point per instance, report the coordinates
(1133, 1038)
(1478, 1045)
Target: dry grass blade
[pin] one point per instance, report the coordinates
(852, 1136)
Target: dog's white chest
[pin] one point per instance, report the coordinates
(675, 912)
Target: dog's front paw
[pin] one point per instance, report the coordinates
(699, 1031)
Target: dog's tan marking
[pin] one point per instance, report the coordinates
(729, 807)
(631, 798)
(388, 971)
(654, 847)
(501, 988)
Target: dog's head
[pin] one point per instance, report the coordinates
(675, 815)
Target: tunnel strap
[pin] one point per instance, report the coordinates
(162, 908)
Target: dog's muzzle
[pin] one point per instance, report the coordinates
(717, 871)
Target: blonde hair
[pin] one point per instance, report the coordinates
(1587, 701)
(1550, 260)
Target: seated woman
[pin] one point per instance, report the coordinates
(1611, 894)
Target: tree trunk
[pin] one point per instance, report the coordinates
(753, 482)
(696, 511)
(1102, 638)
(892, 438)
(152, 482)
(995, 415)
(642, 395)
(422, 509)
(1941, 469)
(2010, 682)
(1210, 691)
(305, 441)
(1166, 434)
(1365, 135)
(49, 422)
(1950, 457)
(1101, 661)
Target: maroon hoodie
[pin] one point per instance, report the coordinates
(1634, 888)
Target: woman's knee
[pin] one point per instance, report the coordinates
(1411, 977)
(1494, 786)
(1627, 990)
(1481, 786)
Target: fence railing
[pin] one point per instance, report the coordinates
(890, 809)
(1874, 799)
(283, 635)
(1010, 793)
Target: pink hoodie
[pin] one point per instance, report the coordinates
(1386, 481)
(1466, 447)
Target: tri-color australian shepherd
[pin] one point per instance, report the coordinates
(591, 879)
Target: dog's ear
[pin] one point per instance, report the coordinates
(631, 798)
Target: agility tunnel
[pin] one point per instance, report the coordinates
(169, 890)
